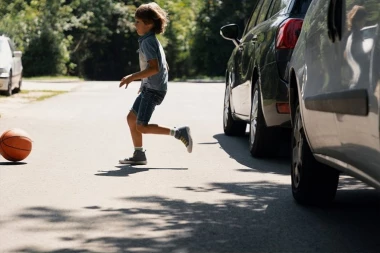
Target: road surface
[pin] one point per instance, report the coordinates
(71, 195)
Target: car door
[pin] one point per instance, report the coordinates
(6, 55)
(358, 121)
(16, 63)
(241, 89)
(320, 74)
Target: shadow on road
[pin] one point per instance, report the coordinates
(265, 219)
(237, 148)
(126, 170)
(12, 163)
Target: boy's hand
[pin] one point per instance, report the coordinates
(126, 80)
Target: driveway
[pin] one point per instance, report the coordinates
(71, 195)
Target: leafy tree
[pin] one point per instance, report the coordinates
(97, 39)
(178, 39)
(37, 28)
(104, 44)
(47, 50)
(210, 51)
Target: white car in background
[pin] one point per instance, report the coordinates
(10, 67)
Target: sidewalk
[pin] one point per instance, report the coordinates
(36, 90)
(51, 85)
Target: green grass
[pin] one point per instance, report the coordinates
(51, 94)
(39, 96)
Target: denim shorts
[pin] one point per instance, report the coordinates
(145, 103)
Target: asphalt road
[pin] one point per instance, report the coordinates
(71, 195)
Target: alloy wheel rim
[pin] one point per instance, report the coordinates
(297, 151)
(254, 111)
(226, 105)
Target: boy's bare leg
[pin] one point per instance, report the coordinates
(182, 133)
(153, 129)
(136, 135)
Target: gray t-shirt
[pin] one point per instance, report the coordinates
(150, 48)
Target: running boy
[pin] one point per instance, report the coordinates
(150, 20)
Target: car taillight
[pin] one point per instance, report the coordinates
(288, 33)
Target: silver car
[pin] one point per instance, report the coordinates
(10, 67)
(334, 93)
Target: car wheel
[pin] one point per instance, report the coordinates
(231, 126)
(262, 140)
(18, 89)
(8, 92)
(312, 182)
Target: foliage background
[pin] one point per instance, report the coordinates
(96, 40)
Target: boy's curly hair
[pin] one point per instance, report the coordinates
(355, 15)
(153, 13)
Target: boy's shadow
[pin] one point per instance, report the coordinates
(126, 170)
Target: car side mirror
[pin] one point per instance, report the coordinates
(230, 32)
(17, 54)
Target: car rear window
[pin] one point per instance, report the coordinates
(277, 6)
(300, 6)
(2, 45)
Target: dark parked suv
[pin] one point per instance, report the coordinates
(256, 88)
(335, 97)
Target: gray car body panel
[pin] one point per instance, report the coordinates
(338, 83)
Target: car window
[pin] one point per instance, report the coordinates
(264, 11)
(369, 32)
(277, 6)
(5, 50)
(11, 45)
(301, 6)
(3, 45)
(255, 13)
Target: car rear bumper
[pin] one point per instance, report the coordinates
(274, 97)
(274, 118)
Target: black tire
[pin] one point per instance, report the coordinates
(262, 139)
(18, 89)
(313, 183)
(8, 92)
(231, 127)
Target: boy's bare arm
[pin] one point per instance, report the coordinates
(151, 70)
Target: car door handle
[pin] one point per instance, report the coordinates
(330, 21)
(338, 18)
(334, 20)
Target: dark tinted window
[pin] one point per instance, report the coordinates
(264, 11)
(277, 5)
(301, 6)
(12, 46)
(252, 21)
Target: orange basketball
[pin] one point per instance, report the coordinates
(15, 145)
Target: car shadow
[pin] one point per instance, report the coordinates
(126, 170)
(237, 148)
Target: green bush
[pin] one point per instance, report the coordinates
(46, 55)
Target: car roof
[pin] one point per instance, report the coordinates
(2, 37)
